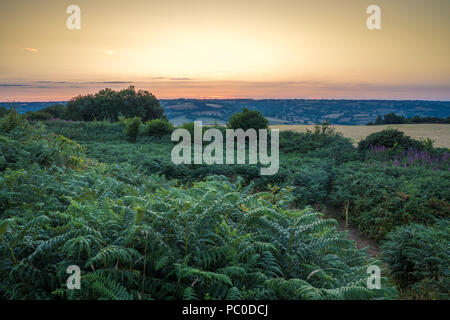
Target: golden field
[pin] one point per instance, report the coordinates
(439, 133)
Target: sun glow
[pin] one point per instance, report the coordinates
(203, 48)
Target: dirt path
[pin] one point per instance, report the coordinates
(361, 240)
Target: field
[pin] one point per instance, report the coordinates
(439, 133)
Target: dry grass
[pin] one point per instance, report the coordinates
(439, 133)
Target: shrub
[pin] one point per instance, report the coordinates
(11, 120)
(419, 255)
(323, 142)
(189, 126)
(100, 131)
(38, 116)
(26, 146)
(3, 111)
(390, 138)
(158, 127)
(382, 198)
(310, 179)
(132, 126)
(57, 111)
(390, 118)
(109, 105)
(248, 119)
(136, 237)
(436, 159)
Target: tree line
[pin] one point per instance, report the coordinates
(106, 104)
(392, 118)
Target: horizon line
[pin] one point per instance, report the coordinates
(249, 98)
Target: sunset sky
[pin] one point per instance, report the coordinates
(226, 49)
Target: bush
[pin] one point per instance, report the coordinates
(189, 126)
(419, 255)
(390, 118)
(158, 127)
(38, 116)
(109, 105)
(27, 146)
(132, 127)
(323, 142)
(3, 111)
(310, 179)
(85, 132)
(57, 111)
(11, 120)
(248, 119)
(390, 138)
(382, 198)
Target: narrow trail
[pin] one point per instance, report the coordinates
(361, 240)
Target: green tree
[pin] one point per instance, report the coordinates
(11, 120)
(392, 118)
(158, 127)
(56, 110)
(108, 104)
(248, 119)
(379, 120)
(391, 139)
(132, 127)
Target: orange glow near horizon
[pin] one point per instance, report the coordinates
(232, 49)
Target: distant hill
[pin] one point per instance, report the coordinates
(286, 111)
(297, 111)
(23, 107)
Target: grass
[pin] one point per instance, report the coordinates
(439, 133)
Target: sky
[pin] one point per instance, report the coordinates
(226, 49)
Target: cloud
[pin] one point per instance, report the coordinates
(77, 83)
(31, 49)
(114, 82)
(170, 78)
(7, 85)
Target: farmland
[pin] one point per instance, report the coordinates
(283, 111)
(439, 133)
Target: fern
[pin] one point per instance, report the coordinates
(136, 236)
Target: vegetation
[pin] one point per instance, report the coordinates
(139, 236)
(141, 227)
(3, 111)
(299, 111)
(285, 111)
(10, 120)
(109, 105)
(392, 139)
(379, 198)
(38, 116)
(248, 119)
(392, 118)
(322, 142)
(158, 127)
(58, 111)
(132, 127)
(419, 259)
